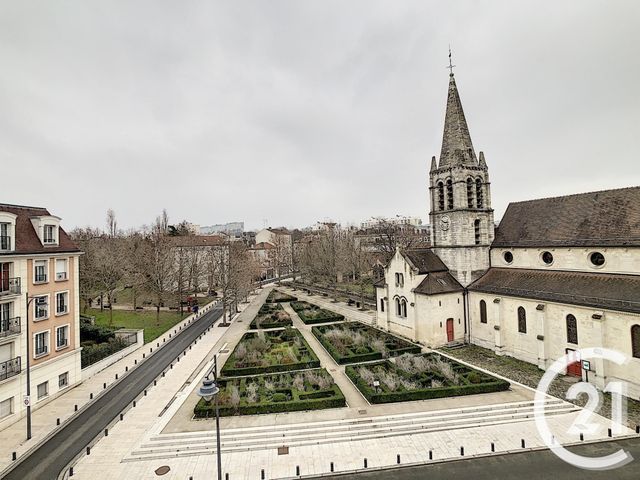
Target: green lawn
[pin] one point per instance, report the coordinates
(139, 319)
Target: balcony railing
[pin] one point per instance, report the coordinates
(10, 368)
(9, 286)
(5, 242)
(40, 278)
(9, 326)
(61, 276)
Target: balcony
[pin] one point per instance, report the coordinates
(9, 286)
(5, 243)
(10, 368)
(9, 326)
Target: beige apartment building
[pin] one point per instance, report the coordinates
(38, 268)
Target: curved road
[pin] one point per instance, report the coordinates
(48, 460)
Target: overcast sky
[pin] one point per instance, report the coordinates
(297, 111)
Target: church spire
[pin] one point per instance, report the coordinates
(456, 141)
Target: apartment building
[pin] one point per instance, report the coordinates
(38, 271)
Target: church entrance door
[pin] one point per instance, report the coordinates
(574, 368)
(449, 329)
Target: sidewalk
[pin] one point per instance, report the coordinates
(44, 419)
(350, 313)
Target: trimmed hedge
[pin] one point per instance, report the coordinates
(403, 345)
(229, 369)
(271, 316)
(276, 296)
(489, 384)
(331, 397)
(311, 314)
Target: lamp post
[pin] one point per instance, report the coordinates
(28, 397)
(209, 390)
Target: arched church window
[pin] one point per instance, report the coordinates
(522, 320)
(440, 196)
(483, 311)
(572, 329)
(476, 231)
(479, 196)
(469, 192)
(403, 306)
(635, 340)
(449, 194)
(398, 310)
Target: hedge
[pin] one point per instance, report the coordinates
(321, 315)
(276, 296)
(268, 317)
(204, 410)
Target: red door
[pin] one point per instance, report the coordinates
(449, 329)
(574, 368)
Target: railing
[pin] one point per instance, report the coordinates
(61, 276)
(9, 326)
(9, 286)
(10, 368)
(40, 278)
(5, 242)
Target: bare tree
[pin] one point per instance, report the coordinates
(112, 223)
(159, 264)
(86, 240)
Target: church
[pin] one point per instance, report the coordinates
(555, 276)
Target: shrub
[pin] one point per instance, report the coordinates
(278, 397)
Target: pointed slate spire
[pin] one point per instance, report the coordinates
(434, 165)
(457, 148)
(482, 163)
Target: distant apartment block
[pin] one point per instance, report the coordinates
(233, 229)
(38, 264)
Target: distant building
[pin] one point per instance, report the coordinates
(398, 220)
(280, 257)
(39, 261)
(233, 229)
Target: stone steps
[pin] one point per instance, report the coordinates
(271, 437)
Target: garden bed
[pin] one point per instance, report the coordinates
(269, 352)
(356, 342)
(420, 377)
(284, 392)
(276, 296)
(311, 314)
(271, 315)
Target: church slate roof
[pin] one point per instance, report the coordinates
(597, 290)
(605, 218)
(456, 140)
(424, 260)
(438, 282)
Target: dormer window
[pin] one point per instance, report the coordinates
(5, 238)
(7, 232)
(50, 236)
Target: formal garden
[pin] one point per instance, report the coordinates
(420, 377)
(271, 315)
(276, 296)
(270, 351)
(351, 342)
(311, 314)
(283, 392)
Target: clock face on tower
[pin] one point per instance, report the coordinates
(444, 223)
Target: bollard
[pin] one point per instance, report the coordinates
(151, 349)
(331, 467)
(71, 472)
(164, 339)
(155, 382)
(226, 476)
(106, 432)
(262, 474)
(365, 463)
(582, 437)
(297, 470)
(493, 447)
(57, 421)
(145, 393)
(104, 386)
(169, 335)
(430, 454)
(143, 355)
(88, 450)
(171, 366)
(75, 407)
(116, 376)
(522, 443)
(158, 344)
(609, 432)
(91, 396)
(134, 404)
(178, 359)
(126, 369)
(398, 459)
(14, 456)
(637, 428)
(135, 362)
(121, 416)
(462, 451)
(163, 374)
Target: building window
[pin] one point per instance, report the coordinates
(43, 390)
(41, 344)
(522, 320)
(440, 196)
(62, 303)
(5, 239)
(399, 280)
(403, 308)
(572, 329)
(398, 310)
(382, 304)
(547, 258)
(508, 257)
(635, 341)
(61, 269)
(479, 196)
(6, 407)
(469, 192)
(50, 234)
(41, 306)
(63, 380)
(476, 231)
(449, 194)
(483, 311)
(597, 259)
(62, 337)
(40, 271)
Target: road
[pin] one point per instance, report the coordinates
(51, 457)
(523, 466)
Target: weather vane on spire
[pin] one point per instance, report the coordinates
(450, 67)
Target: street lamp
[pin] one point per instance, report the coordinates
(28, 397)
(208, 391)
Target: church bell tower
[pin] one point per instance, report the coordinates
(461, 216)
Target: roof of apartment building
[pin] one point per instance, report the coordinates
(605, 218)
(27, 240)
(598, 290)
